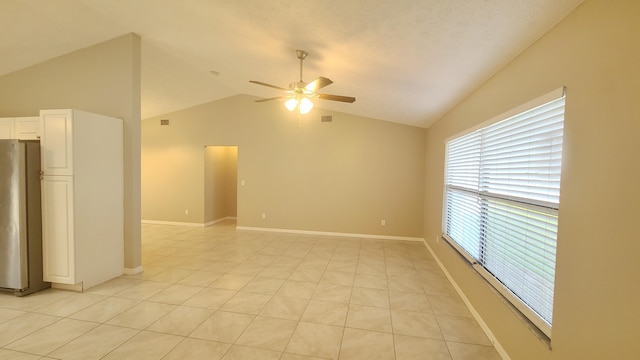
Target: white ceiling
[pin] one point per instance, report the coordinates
(405, 61)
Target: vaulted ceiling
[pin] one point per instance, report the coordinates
(405, 61)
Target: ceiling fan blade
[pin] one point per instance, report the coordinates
(268, 85)
(348, 99)
(273, 98)
(318, 84)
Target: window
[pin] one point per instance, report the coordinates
(502, 194)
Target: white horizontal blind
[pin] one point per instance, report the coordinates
(502, 190)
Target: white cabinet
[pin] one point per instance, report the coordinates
(7, 128)
(23, 128)
(82, 198)
(27, 128)
(57, 214)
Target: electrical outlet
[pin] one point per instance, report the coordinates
(383, 222)
(264, 215)
(437, 239)
(186, 211)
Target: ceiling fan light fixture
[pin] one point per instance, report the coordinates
(291, 104)
(305, 106)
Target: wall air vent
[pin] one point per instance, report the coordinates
(326, 118)
(164, 122)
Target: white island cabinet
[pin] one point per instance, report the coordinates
(82, 198)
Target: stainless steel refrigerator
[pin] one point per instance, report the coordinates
(20, 217)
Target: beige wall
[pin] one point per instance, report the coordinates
(104, 79)
(595, 53)
(220, 184)
(345, 176)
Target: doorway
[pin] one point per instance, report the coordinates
(220, 184)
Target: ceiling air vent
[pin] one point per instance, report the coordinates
(326, 118)
(164, 122)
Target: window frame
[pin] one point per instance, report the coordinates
(551, 207)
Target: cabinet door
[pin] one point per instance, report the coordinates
(56, 143)
(7, 128)
(58, 245)
(27, 128)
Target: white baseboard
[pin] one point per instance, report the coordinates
(492, 338)
(177, 223)
(130, 271)
(325, 233)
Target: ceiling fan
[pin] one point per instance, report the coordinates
(299, 94)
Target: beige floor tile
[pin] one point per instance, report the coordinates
(369, 318)
(105, 310)
(405, 284)
(52, 337)
(172, 275)
(263, 259)
(231, 281)
(8, 314)
(288, 261)
(194, 264)
(371, 281)
(223, 326)
(246, 303)
(289, 356)
(306, 274)
(411, 348)
(402, 270)
(316, 340)
(332, 292)
(297, 289)
(69, 305)
(363, 344)
(112, 287)
(317, 297)
(200, 278)
(220, 266)
(181, 321)
(23, 325)
(210, 298)
(95, 344)
(176, 294)
(15, 355)
(409, 301)
(348, 266)
(248, 268)
(268, 333)
(460, 351)
(448, 305)
(277, 272)
(238, 352)
(141, 315)
(283, 307)
(371, 268)
(198, 349)
(338, 277)
(145, 345)
(326, 312)
(370, 297)
(143, 290)
(462, 329)
(438, 287)
(263, 285)
(415, 324)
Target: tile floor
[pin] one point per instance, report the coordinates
(220, 293)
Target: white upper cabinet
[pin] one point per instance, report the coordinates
(56, 142)
(27, 128)
(7, 128)
(23, 128)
